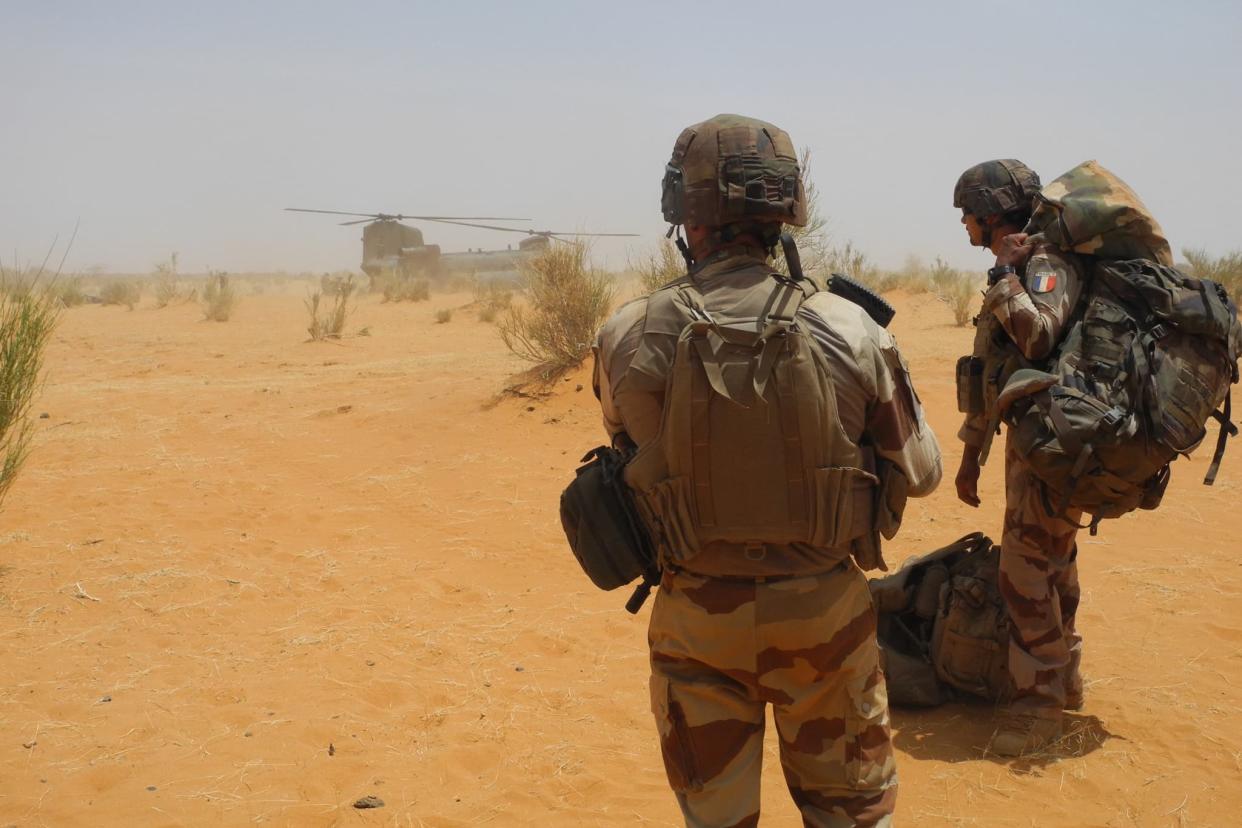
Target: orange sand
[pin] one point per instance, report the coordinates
(250, 579)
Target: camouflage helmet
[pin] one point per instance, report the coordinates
(731, 169)
(994, 188)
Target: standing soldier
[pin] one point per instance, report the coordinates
(1032, 293)
(777, 434)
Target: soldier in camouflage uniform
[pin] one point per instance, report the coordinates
(1033, 292)
(738, 626)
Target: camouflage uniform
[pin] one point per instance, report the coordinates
(1038, 572)
(789, 625)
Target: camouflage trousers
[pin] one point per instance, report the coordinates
(1039, 583)
(721, 650)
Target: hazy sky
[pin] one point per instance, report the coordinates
(176, 126)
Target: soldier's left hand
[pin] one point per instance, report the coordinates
(1014, 250)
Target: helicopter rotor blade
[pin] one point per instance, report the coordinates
(330, 212)
(402, 216)
(356, 221)
(554, 234)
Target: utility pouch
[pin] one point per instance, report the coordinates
(970, 385)
(604, 530)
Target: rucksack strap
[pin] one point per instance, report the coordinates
(1227, 430)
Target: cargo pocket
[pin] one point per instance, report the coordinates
(843, 505)
(671, 509)
(675, 744)
(869, 762)
(967, 662)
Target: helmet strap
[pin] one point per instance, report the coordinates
(682, 247)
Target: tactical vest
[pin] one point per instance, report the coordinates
(1135, 382)
(751, 449)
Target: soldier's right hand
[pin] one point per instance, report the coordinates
(967, 480)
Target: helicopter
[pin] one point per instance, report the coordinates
(388, 245)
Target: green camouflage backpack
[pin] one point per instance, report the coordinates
(942, 625)
(1150, 359)
(1136, 381)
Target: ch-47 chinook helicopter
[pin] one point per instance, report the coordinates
(388, 245)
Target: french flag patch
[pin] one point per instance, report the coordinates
(1044, 282)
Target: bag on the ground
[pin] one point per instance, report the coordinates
(603, 527)
(1148, 362)
(942, 626)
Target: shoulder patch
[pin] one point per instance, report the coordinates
(1044, 281)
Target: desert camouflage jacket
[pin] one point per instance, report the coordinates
(876, 401)
(1029, 312)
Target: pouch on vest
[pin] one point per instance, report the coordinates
(603, 528)
(970, 385)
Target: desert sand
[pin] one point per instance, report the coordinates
(246, 578)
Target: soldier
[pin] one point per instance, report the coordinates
(777, 430)
(1033, 291)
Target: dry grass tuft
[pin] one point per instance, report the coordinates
(491, 298)
(956, 289)
(568, 301)
(219, 298)
(28, 315)
(660, 267)
(120, 292)
(1225, 270)
(330, 325)
(401, 286)
(167, 290)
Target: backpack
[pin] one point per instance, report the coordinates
(1137, 378)
(1150, 357)
(942, 626)
(750, 449)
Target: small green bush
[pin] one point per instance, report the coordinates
(28, 315)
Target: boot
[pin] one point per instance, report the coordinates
(1018, 734)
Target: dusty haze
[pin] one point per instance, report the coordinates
(171, 127)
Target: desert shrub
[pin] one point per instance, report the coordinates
(444, 315)
(331, 324)
(67, 290)
(814, 250)
(219, 297)
(401, 286)
(491, 298)
(28, 314)
(659, 268)
(848, 260)
(956, 289)
(166, 288)
(1226, 269)
(333, 284)
(567, 302)
(120, 292)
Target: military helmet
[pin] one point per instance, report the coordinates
(994, 188)
(731, 169)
